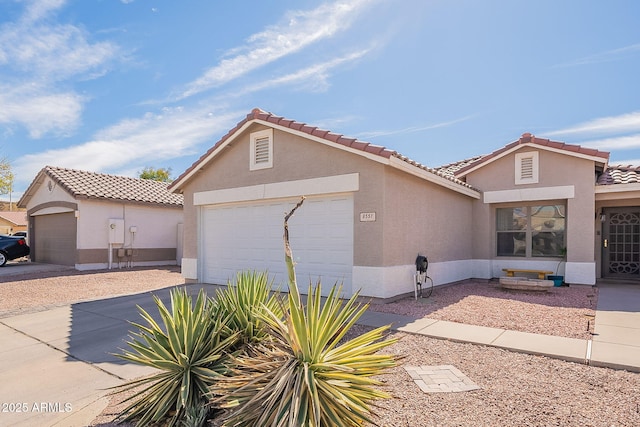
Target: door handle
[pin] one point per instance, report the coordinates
(606, 243)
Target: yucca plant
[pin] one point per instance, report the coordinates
(189, 351)
(243, 302)
(307, 376)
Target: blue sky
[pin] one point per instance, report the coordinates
(116, 85)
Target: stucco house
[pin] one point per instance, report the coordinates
(93, 221)
(12, 222)
(369, 211)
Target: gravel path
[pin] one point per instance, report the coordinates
(516, 389)
(30, 292)
(561, 312)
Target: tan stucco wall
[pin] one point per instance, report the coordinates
(294, 158)
(423, 217)
(555, 170)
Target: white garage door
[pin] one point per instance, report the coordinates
(249, 236)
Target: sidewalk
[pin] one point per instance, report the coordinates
(615, 343)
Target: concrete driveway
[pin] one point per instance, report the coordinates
(56, 365)
(15, 267)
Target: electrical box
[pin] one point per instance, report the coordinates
(116, 231)
(133, 229)
(120, 253)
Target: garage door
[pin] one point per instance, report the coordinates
(249, 236)
(55, 238)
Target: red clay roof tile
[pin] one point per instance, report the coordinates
(92, 185)
(528, 138)
(258, 114)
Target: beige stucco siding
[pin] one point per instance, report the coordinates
(556, 171)
(294, 158)
(423, 217)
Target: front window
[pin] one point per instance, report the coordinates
(531, 231)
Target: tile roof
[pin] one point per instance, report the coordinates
(528, 138)
(352, 143)
(620, 174)
(17, 218)
(92, 185)
(452, 168)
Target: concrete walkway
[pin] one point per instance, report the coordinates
(57, 365)
(615, 340)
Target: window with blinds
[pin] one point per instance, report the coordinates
(261, 150)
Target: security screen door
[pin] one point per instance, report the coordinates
(621, 243)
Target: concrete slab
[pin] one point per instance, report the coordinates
(617, 356)
(461, 332)
(417, 325)
(571, 349)
(45, 386)
(617, 334)
(376, 320)
(618, 318)
(46, 325)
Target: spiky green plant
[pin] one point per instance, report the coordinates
(189, 351)
(243, 302)
(308, 377)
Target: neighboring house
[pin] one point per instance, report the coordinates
(12, 222)
(370, 211)
(92, 221)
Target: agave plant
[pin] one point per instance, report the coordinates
(244, 301)
(306, 376)
(189, 352)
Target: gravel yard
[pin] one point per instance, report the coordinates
(515, 389)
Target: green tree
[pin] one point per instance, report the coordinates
(160, 174)
(6, 178)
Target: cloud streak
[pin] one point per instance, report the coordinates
(301, 29)
(413, 129)
(608, 56)
(624, 123)
(172, 133)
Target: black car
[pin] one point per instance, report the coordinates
(12, 247)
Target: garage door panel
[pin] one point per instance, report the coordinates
(249, 236)
(55, 238)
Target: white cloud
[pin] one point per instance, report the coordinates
(314, 77)
(624, 123)
(40, 111)
(173, 133)
(616, 143)
(37, 56)
(608, 56)
(301, 29)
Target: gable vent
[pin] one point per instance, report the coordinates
(262, 152)
(526, 168)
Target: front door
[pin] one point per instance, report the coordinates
(621, 243)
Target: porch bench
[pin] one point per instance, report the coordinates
(541, 273)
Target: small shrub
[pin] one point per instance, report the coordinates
(306, 376)
(244, 302)
(190, 352)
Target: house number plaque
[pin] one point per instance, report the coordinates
(367, 216)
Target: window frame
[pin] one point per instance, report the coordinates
(530, 232)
